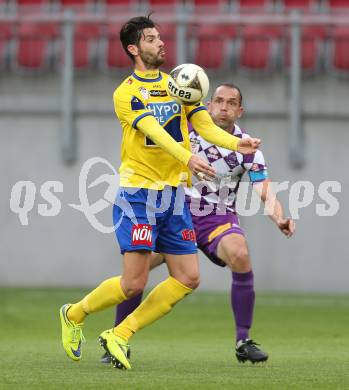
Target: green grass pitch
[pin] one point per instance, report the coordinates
(307, 337)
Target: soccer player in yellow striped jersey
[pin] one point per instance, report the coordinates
(156, 162)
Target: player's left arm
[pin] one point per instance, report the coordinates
(204, 125)
(274, 208)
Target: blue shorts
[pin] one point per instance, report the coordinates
(152, 220)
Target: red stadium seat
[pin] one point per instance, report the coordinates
(211, 49)
(207, 3)
(115, 56)
(211, 6)
(338, 4)
(116, 6)
(33, 45)
(77, 5)
(168, 35)
(248, 5)
(162, 6)
(312, 43)
(32, 6)
(121, 3)
(68, 3)
(5, 36)
(85, 44)
(339, 49)
(163, 3)
(299, 4)
(257, 51)
(32, 2)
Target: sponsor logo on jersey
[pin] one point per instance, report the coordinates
(232, 160)
(158, 93)
(129, 81)
(164, 111)
(213, 153)
(144, 92)
(195, 145)
(188, 235)
(142, 235)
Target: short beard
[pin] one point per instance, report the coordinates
(227, 127)
(150, 61)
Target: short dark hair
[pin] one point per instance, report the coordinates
(131, 31)
(229, 85)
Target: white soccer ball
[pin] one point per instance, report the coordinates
(188, 84)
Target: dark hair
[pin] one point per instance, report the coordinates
(229, 85)
(131, 31)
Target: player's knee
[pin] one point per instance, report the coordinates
(134, 287)
(191, 281)
(239, 260)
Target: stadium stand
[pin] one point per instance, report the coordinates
(338, 5)
(113, 55)
(5, 36)
(119, 5)
(212, 47)
(259, 48)
(163, 4)
(338, 56)
(32, 46)
(312, 48)
(30, 6)
(254, 5)
(86, 44)
(210, 5)
(305, 5)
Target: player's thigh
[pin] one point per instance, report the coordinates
(135, 272)
(232, 249)
(184, 268)
(156, 259)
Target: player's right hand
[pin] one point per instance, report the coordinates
(248, 145)
(201, 168)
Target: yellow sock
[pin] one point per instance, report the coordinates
(107, 294)
(158, 303)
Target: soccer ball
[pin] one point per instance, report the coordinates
(188, 84)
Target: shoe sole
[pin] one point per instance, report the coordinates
(243, 359)
(107, 360)
(114, 361)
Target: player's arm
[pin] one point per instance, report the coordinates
(132, 109)
(204, 125)
(273, 207)
(149, 126)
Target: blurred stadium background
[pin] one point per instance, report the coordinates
(60, 62)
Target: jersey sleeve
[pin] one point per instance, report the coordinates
(204, 125)
(255, 166)
(191, 110)
(129, 106)
(151, 128)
